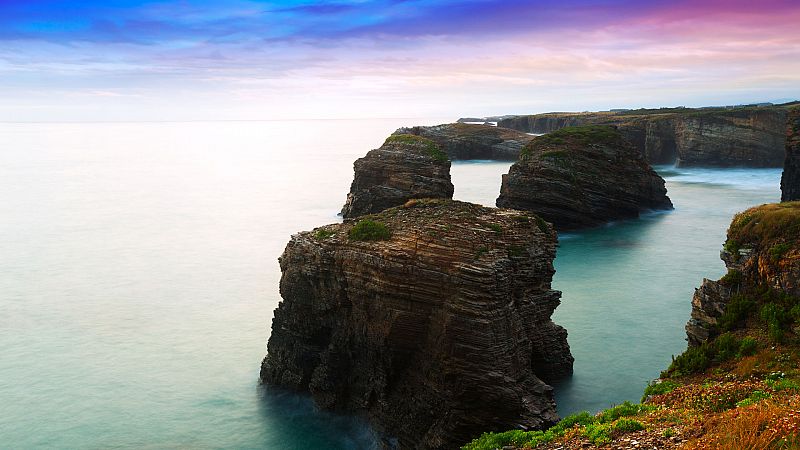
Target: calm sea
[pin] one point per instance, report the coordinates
(138, 275)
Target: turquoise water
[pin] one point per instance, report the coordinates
(138, 275)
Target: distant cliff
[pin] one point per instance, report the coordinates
(473, 141)
(432, 319)
(748, 136)
(404, 167)
(580, 177)
(790, 181)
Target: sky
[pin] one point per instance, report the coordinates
(97, 60)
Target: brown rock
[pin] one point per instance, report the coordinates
(436, 334)
(790, 180)
(746, 136)
(580, 177)
(473, 141)
(404, 167)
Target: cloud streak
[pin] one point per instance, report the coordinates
(395, 57)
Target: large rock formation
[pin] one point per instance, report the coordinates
(762, 251)
(437, 329)
(581, 177)
(404, 167)
(722, 137)
(473, 141)
(790, 180)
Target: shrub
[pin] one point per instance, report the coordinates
(598, 433)
(726, 346)
(496, 228)
(582, 418)
(748, 346)
(626, 425)
(625, 409)
(736, 312)
(753, 398)
(775, 318)
(369, 230)
(777, 251)
(658, 388)
(733, 277)
(693, 360)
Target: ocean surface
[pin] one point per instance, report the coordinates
(138, 275)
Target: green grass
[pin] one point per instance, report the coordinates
(777, 251)
(655, 388)
(766, 223)
(557, 145)
(591, 427)
(495, 227)
(431, 148)
(321, 235)
(369, 230)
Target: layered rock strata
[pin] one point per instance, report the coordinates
(580, 177)
(790, 180)
(404, 167)
(762, 251)
(473, 141)
(437, 332)
(722, 137)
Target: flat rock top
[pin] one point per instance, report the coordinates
(446, 230)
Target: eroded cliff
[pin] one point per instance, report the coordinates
(721, 137)
(580, 177)
(433, 319)
(790, 180)
(473, 141)
(404, 167)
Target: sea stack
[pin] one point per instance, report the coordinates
(463, 141)
(790, 180)
(762, 252)
(579, 177)
(432, 319)
(404, 167)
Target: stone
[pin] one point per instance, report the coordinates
(436, 332)
(404, 167)
(463, 141)
(790, 180)
(750, 136)
(580, 177)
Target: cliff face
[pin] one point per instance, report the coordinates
(473, 141)
(437, 332)
(582, 177)
(752, 137)
(790, 181)
(404, 167)
(762, 252)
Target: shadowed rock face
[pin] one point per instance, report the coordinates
(404, 167)
(752, 137)
(790, 181)
(473, 141)
(436, 334)
(582, 177)
(762, 250)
